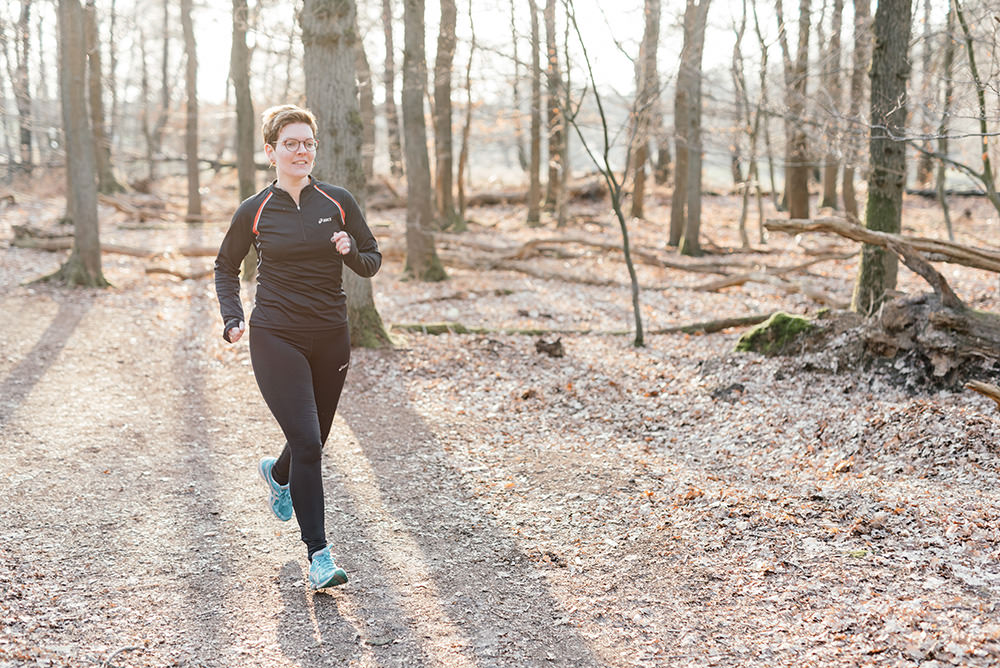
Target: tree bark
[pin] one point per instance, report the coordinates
(534, 167)
(239, 75)
(422, 261)
(889, 72)
(84, 264)
(522, 156)
(389, 83)
(443, 149)
(682, 110)
(831, 166)
(463, 155)
(861, 58)
(647, 101)
(928, 82)
(191, 116)
(330, 41)
(554, 110)
(20, 84)
(106, 181)
(366, 98)
(797, 79)
(690, 244)
(946, 104)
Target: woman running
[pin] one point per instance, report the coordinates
(304, 232)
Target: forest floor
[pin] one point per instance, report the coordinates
(677, 504)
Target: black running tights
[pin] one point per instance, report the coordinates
(300, 376)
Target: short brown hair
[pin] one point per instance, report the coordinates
(275, 118)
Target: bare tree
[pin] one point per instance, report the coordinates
(534, 183)
(685, 209)
(367, 99)
(422, 261)
(191, 116)
(19, 81)
(947, 94)
(443, 162)
(522, 156)
(389, 83)
(602, 161)
(889, 71)
(928, 83)
(831, 79)
(83, 267)
(859, 69)
(239, 75)
(553, 105)
(106, 181)
(648, 87)
(329, 36)
(796, 80)
(463, 155)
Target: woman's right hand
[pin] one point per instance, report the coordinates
(236, 332)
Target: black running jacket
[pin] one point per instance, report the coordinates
(299, 271)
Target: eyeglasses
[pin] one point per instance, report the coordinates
(292, 145)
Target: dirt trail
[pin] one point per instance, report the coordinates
(137, 520)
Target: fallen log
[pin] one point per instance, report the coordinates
(985, 389)
(945, 251)
(33, 238)
(708, 327)
(180, 274)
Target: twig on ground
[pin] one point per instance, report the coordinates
(107, 662)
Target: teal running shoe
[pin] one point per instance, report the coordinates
(279, 499)
(323, 572)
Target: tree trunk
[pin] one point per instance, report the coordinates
(20, 84)
(534, 169)
(928, 82)
(191, 124)
(84, 264)
(443, 151)
(422, 261)
(694, 46)
(239, 74)
(463, 155)
(946, 105)
(831, 166)
(389, 83)
(889, 72)
(330, 43)
(862, 55)
(553, 81)
(366, 98)
(106, 181)
(797, 170)
(647, 99)
(112, 85)
(522, 156)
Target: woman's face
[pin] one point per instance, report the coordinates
(298, 162)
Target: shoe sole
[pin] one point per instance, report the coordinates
(339, 578)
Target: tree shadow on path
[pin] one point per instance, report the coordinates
(468, 594)
(29, 371)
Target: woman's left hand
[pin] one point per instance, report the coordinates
(342, 241)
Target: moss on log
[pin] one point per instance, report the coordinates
(774, 336)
